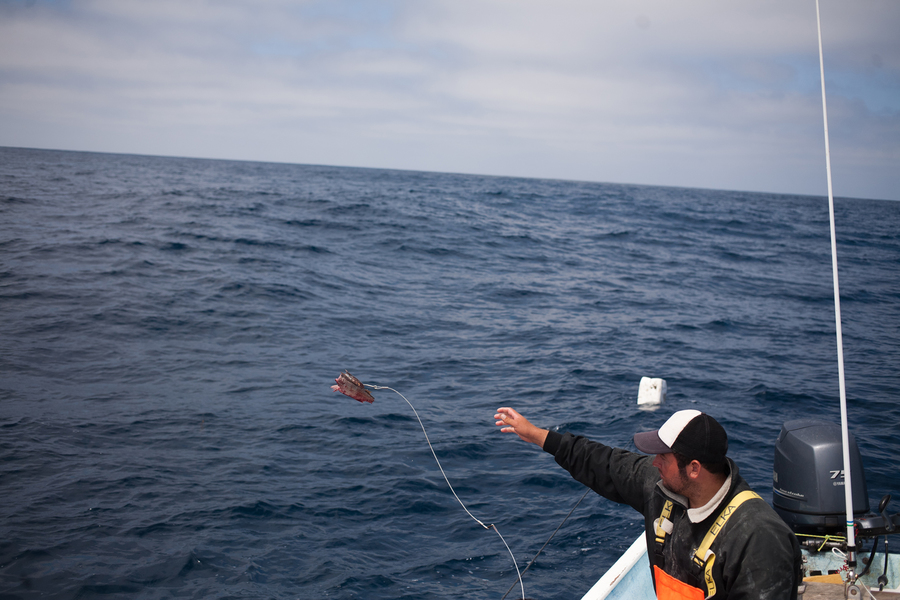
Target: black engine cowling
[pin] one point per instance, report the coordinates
(808, 482)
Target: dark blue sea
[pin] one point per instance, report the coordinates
(171, 328)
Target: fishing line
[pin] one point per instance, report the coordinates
(351, 386)
(384, 387)
(525, 570)
(491, 526)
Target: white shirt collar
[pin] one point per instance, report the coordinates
(699, 514)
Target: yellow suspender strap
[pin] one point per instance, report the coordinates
(703, 557)
(661, 529)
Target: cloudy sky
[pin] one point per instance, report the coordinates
(697, 93)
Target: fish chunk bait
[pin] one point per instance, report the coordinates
(349, 385)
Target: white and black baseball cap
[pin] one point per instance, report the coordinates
(690, 433)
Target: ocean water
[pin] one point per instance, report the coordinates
(170, 329)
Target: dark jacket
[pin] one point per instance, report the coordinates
(757, 555)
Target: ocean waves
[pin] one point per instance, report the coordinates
(172, 326)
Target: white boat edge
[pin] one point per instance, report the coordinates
(623, 580)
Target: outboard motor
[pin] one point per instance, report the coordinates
(808, 482)
(808, 494)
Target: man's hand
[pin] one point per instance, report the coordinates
(512, 422)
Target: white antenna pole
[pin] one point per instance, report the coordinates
(845, 435)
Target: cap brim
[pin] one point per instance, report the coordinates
(648, 442)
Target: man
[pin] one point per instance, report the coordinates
(708, 535)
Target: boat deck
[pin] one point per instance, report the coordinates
(835, 591)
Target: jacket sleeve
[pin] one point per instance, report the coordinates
(621, 476)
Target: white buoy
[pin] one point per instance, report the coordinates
(652, 391)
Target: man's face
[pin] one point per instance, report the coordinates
(673, 478)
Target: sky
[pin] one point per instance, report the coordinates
(690, 93)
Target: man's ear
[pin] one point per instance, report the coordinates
(693, 469)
